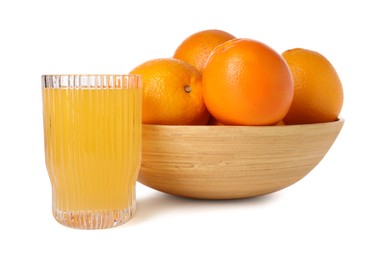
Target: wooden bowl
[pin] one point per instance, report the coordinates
(229, 162)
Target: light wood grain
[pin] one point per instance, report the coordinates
(229, 162)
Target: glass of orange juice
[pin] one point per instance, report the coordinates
(92, 137)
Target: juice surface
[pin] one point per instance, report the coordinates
(92, 146)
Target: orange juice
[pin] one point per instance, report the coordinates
(92, 145)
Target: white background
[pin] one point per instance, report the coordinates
(336, 212)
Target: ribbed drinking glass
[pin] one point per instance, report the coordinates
(92, 136)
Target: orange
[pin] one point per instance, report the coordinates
(172, 93)
(318, 94)
(213, 121)
(246, 82)
(196, 48)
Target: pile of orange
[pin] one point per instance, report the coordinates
(216, 78)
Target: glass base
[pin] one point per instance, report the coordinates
(93, 219)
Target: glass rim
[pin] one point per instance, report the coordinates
(92, 74)
(91, 81)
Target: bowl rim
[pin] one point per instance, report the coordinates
(338, 121)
